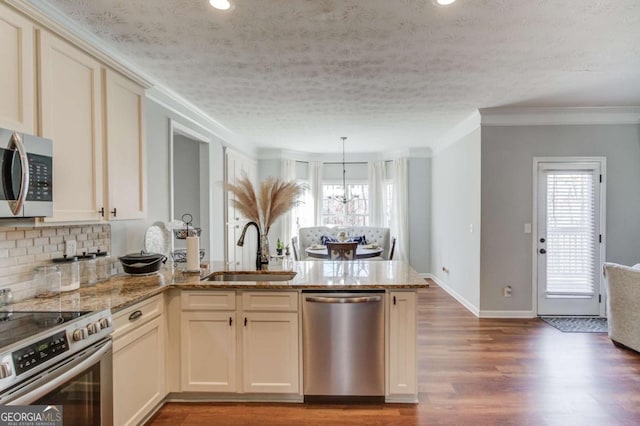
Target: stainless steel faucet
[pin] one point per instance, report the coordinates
(259, 262)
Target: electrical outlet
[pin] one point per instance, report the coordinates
(70, 247)
(506, 291)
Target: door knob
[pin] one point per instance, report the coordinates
(542, 251)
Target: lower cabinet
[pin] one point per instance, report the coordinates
(402, 369)
(265, 337)
(138, 361)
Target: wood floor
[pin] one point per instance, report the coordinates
(474, 372)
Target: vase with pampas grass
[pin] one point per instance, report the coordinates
(274, 198)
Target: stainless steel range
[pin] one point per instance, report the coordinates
(58, 358)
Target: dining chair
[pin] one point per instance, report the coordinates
(294, 245)
(342, 251)
(393, 248)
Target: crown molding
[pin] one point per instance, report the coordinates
(53, 20)
(462, 129)
(550, 116)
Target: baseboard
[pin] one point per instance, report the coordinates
(464, 302)
(507, 314)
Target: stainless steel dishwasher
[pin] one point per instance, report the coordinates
(343, 345)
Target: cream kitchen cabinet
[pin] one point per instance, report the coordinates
(401, 348)
(17, 73)
(124, 140)
(258, 353)
(208, 341)
(95, 118)
(71, 115)
(138, 361)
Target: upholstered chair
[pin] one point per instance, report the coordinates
(342, 251)
(623, 305)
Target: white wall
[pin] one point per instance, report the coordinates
(455, 221)
(507, 194)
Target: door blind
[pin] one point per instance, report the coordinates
(570, 233)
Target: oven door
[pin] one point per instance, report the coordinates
(82, 384)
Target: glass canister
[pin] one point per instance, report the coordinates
(47, 280)
(70, 271)
(103, 265)
(88, 271)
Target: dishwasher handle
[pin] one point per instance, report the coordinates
(358, 299)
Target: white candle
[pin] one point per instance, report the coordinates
(193, 253)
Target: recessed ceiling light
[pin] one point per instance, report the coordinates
(444, 2)
(220, 4)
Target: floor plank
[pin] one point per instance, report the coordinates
(473, 372)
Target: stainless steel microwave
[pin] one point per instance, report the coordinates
(26, 167)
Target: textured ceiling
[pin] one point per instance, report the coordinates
(298, 74)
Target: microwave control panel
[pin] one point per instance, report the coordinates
(40, 178)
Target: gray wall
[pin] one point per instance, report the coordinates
(186, 182)
(420, 214)
(455, 221)
(507, 199)
(128, 236)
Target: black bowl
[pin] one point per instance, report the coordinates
(142, 263)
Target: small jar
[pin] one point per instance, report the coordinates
(70, 271)
(88, 272)
(47, 280)
(103, 265)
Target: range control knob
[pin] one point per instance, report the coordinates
(94, 327)
(5, 370)
(106, 322)
(80, 334)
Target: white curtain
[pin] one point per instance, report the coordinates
(400, 209)
(376, 193)
(288, 173)
(315, 183)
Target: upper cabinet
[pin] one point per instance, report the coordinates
(17, 72)
(124, 136)
(95, 118)
(71, 115)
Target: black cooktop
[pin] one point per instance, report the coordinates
(16, 326)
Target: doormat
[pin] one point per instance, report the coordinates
(578, 324)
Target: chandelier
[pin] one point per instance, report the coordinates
(343, 198)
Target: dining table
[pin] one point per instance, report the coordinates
(362, 251)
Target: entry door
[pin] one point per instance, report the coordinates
(568, 240)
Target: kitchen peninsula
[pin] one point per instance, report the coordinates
(183, 338)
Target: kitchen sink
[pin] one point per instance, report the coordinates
(250, 276)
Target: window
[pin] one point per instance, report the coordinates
(355, 212)
(302, 213)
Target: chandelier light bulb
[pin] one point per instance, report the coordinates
(444, 2)
(220, 4)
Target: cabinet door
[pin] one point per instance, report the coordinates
(138, 373)
(270, 361)
(16, 72)
(208, 351)
(402, 367)
(125, 147)
(71, 116)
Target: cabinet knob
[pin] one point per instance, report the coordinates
(230, 321)
(135, 315)
(394, 300)
(101, 211)
(542, 251)
(245, 321)
(114, 212)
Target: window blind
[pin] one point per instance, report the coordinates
(570, 233)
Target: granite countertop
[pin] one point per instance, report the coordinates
(122, 291)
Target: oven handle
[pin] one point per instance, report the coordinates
(77, 366)
(16, 142)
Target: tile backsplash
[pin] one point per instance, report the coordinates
(22, 249)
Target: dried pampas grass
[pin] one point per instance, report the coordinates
(275, 198)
